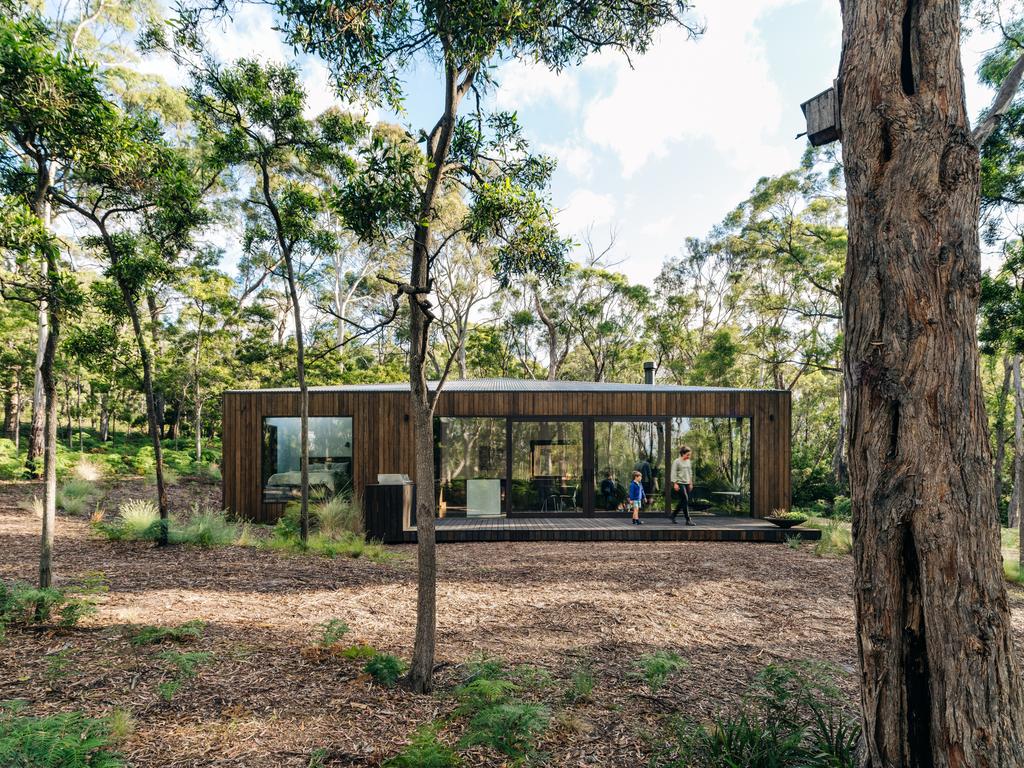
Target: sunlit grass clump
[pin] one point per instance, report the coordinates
(76, 496)
(336, 530)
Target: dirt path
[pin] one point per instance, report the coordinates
(729, 609)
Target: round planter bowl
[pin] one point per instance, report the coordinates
(786, 522)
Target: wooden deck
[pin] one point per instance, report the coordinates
(452, 530)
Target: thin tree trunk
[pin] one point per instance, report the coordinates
(939, 681)
(151, 415)
(50, 447)
(104, 417)
(300, 371)
(420, 402)
(199, 429)
(78, 406)
(1000, 439)
(36, 438)
(1014, 511)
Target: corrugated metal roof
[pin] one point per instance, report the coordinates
(512, 385)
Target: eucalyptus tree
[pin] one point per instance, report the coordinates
(251, 115)
(140, 199)
(367, 47)
(51, 114)
(940, 681)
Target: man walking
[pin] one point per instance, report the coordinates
(682, 484)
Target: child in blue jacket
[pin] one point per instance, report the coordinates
(636, 496)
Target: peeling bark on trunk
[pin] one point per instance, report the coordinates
(939, 683)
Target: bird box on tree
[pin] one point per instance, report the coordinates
(822, 113)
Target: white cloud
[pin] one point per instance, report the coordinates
(717, 88)
(521, 84)
(573, 156)
(584, 209)
(249, 33)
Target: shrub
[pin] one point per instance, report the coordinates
(65, 740)
(841, 508)
(206, 471)
(509, 728)
(150, 635)
(424, 751)
(385, 669)
(206, 529)
(657, 667)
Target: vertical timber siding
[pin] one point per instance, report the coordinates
(382, 438)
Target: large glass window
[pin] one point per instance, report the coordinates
(620, 448)
(720, 461)
(330, 457)
(470, 461)
(547, 466)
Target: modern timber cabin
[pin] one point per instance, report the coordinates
(507, 449)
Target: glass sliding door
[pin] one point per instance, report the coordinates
(471, 467)
(620, 448)
(547, 467)
(720, 461)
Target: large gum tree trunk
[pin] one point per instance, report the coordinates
(939, 683)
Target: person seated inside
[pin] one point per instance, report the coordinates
(611, 495)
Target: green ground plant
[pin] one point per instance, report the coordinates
(185, 666)
(511, 728)
(385, 669)
(836, 537)
(332, 632)
(285, 538)
(205, 528)
(425, 750)
(24, 605)
(581, 684)
(76, 497)
(152, 635)
(65, 740)
(495, 717)
(790, 717)
(656, 668)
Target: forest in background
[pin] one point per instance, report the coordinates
(178, 242)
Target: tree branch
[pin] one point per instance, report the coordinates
(1000, 104)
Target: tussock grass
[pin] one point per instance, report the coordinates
(836, 537)
(88, 470)
(206, 529)
(76, 496)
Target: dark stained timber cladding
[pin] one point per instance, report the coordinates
(383, 435)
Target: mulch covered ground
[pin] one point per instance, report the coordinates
(265, 699)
